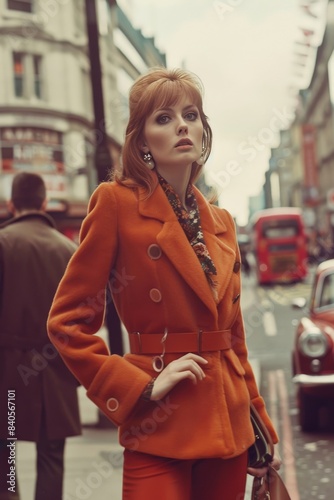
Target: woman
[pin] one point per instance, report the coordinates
(181, 397)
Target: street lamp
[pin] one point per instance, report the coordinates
(102, 156)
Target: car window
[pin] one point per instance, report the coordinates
(327, 292)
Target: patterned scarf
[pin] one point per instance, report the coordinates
(191, 225)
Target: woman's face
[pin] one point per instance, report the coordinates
(174, 135)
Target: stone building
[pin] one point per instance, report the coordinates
(304, 160)
(46, 107)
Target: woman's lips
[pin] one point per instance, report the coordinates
(184, 143)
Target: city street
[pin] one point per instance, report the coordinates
(94, 460)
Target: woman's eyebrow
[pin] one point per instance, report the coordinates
(170, 110)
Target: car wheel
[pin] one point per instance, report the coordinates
(308, 412)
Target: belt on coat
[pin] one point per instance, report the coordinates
(155, 343)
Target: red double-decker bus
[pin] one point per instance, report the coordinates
(279, 245)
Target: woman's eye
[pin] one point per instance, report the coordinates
(163, 119)
(192, 115)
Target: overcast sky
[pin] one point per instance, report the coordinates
(249, 56)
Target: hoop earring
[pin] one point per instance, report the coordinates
(148, 159)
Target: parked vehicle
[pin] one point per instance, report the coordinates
(313, 352)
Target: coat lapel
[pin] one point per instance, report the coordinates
(176, 247)
(216, 239)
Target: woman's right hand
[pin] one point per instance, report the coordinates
(188, 366)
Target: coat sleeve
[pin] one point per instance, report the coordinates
(78, 309)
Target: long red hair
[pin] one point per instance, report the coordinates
(159, 88)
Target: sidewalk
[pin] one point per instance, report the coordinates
(93, 461)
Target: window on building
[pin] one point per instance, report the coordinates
(27, 73)
(18, 62)
(21, 5)
(37, 76)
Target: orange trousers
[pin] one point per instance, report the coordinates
(148, 477)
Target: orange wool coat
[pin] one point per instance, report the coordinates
(153, 291)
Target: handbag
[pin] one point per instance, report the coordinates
(260, 454)
(269, 487)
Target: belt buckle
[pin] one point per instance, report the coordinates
(199, 340)
(158, 361)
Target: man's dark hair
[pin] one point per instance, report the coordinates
(28, 191)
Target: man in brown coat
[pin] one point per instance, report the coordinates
(38, 395)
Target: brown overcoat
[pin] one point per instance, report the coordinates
(33, 258)
(154, 290)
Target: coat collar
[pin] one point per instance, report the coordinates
(33, 214)
(176, 247)
(157, 206)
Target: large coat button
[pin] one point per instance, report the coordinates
(236, 267)
(155, 295)
(112, 404)
(154, 251)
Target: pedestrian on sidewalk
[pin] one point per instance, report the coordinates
(181, 397)
(40, 391)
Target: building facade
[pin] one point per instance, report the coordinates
(304, 160)
(46, 107)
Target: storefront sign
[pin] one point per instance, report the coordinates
(34, 150)
(310, 188)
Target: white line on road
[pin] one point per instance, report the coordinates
(269, 323)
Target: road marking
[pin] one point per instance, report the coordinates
(273, 401)
(284, 296)
(278, 399)
(269, 324)
(289, 459)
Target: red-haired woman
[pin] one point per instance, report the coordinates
(181, 397)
